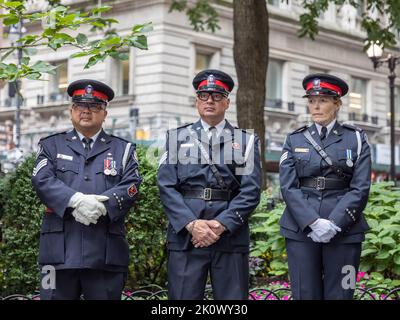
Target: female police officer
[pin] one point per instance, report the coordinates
(325, 174)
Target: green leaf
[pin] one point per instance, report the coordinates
(14, 4)
(101, 9)
(79, 54)
(81, 39)
(25, 60)
(382, 256)
(41, 66)
(388, 240)
(139, 42)
(11, 19)
(34, 76)
(30, 51)
(367, 252)
(111, 42)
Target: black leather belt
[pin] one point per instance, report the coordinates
(322, 183)
(207, 194)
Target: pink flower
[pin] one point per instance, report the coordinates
(285, 298)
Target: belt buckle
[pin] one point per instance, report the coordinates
(207, 193)
(320, 183)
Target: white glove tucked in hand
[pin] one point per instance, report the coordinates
(88, 207)
(323, 230)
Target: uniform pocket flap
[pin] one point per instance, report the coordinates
(52, 223)
(67, 166)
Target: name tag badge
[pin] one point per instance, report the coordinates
(302, 150)
(64, 157)
(187, 145)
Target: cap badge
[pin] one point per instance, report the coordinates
(316, 84)
(211, 80)
(89, 89)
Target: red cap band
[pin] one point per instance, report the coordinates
(217, 82)
(94, 93)
(326, 86)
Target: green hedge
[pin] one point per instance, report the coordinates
(21, 213)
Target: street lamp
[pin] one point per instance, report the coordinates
(375, 53)
(16, 33)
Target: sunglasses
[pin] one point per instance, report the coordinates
(216, 96)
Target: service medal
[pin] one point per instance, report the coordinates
(349, 163)
(107, 166)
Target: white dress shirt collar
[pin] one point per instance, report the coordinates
(94, 138)
(220, 126)
(329, 127)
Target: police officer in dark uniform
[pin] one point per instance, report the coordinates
(209, 180)
(325, 177)
(88, 181)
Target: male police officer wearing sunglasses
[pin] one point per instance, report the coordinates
(209, 180)
(88, 181)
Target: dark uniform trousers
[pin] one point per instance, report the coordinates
(70, 284)
(92, 260)
(189, 270)
(316, 269)
(181, 169)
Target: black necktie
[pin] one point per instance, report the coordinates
(323, 133)
(213, 137)
(87, 142)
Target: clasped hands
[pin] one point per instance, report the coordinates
(87, 207)
(205, 232)
(323, 230)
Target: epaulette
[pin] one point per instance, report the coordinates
(111, 135)
(52, 135)
(182, 126)
(300, 129)
(351, 127)
(185, 125)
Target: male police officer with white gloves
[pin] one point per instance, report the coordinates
(88, 181)
(209, 181)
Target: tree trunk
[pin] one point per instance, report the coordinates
(250, 52)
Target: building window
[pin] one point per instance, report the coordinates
(203, 61)
(274, 84)
(122, 74)
(357, 96)
(58, 83)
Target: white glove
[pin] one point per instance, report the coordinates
(323, 230)
(82, 219)
(88, 207)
